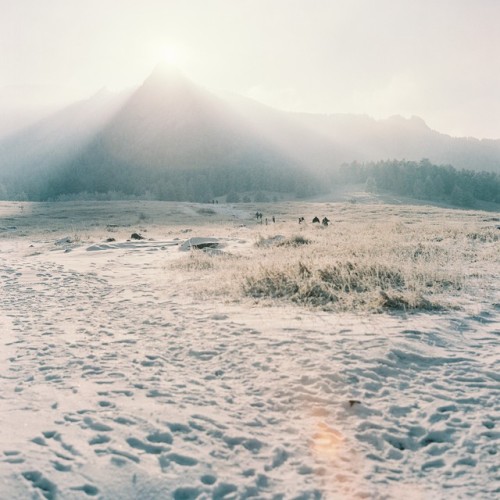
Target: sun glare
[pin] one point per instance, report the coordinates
(172, 55)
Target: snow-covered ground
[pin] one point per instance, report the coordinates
(116, 382)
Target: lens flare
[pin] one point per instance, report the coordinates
(326, 442)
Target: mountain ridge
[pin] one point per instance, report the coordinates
(170, 126)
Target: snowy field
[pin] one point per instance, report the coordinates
(128, 373)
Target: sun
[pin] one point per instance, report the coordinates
(172, 55)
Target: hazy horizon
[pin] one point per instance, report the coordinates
(435, 60)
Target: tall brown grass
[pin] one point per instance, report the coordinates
(365, 261)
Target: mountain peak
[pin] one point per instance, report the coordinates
(165, 73)
(414, 123)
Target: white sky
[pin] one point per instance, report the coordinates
(438, 59)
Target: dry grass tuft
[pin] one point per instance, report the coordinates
(275, 240)
(295, 241)
(206, 211)
(357, 277)
(291, 286)
(343, 285)
(404, 302)
(201, 260)
(489, 235)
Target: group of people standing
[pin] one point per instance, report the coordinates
(258, 216)
(325, 221)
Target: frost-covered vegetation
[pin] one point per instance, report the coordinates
(371, 263)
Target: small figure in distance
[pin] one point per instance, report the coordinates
(325, 221)
(274, 219)
(301, 219)
(316, 220)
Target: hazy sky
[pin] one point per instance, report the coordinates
(438, 59)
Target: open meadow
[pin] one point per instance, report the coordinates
(282, 360)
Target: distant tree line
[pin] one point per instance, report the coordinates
(423, 180)
(102, 178)
(105, 180)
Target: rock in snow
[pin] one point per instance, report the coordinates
(136, 236)
(199, 243)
